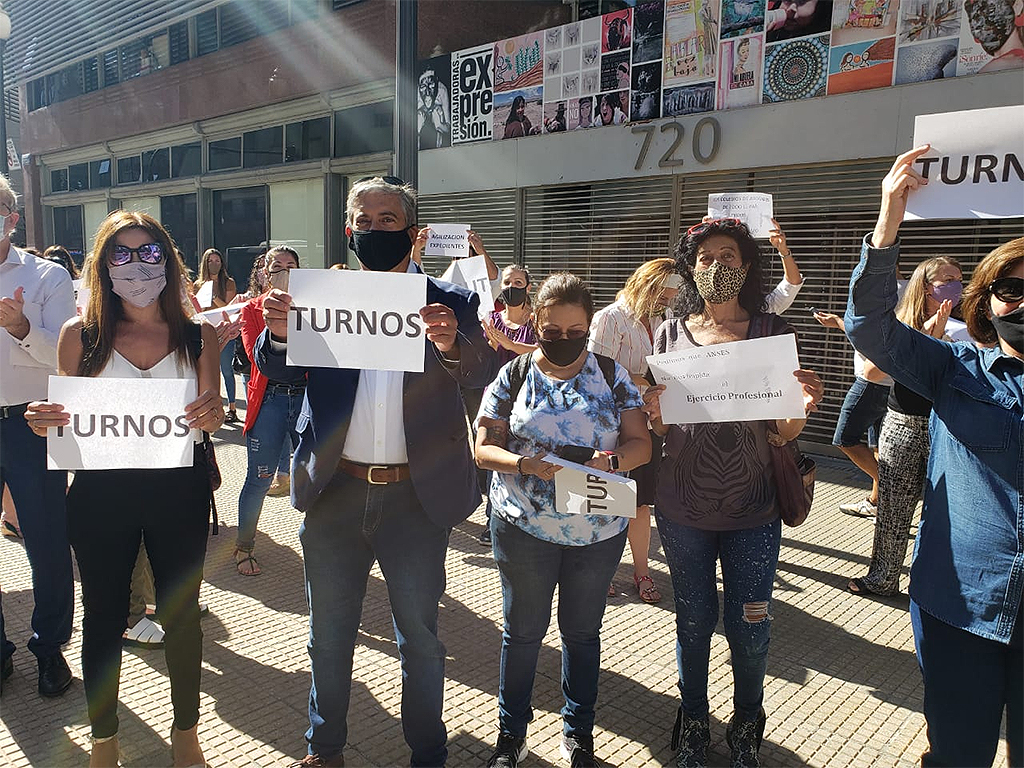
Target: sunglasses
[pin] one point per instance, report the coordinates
(150, 253)
(1008, 289)
(551, 334)
(704, 226)
(389, 179)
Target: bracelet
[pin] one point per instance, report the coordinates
(519, 466)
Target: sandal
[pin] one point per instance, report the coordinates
(10, 530)
(253, 567)
(231, 417)
(649, 594)
(858, 587)
(145, 634)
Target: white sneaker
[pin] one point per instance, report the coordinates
(862, 508)
(146, 634)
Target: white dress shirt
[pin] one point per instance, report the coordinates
(616, 333)
(782, 296)
(26, 364)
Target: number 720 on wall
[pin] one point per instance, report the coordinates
(676, 134)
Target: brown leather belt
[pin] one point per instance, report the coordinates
(375, 474)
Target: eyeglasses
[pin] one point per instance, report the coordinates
(704, 226)
(553, 334)
(150, 253)
(389, 179)
(1008, 289)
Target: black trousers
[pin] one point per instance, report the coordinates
(109, 513)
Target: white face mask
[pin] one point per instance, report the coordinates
(138, 283)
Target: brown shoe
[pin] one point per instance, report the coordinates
(315, 761)
(281, 486)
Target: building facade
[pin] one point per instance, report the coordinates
(237, 123)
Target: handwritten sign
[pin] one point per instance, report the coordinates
(471, 273)
(975, 168)
(752, 208)
(121, 423)
(448, 240)
(581, 490)
(357, 319)
(739, 381)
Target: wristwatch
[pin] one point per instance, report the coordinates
(613, 460)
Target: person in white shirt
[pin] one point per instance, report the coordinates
(624, 331)
(36, 298)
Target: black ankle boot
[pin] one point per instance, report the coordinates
(744, 739)
(691, 737)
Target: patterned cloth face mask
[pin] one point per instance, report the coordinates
(719, 283)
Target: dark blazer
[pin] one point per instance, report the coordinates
(440, 461)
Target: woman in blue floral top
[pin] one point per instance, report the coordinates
(564, 400)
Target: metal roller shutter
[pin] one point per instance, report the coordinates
(491, 213)
(600, 231)
(825, 212)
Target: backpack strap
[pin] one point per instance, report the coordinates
(194, 338)
(518, 369)
(607, 366)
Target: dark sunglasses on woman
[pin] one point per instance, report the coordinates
(1008, 289)
(150, 253)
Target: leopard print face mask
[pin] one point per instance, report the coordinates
(719, 283)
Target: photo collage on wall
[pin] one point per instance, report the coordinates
(665, 58)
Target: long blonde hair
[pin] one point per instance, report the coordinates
(642, 292)
(913, 307)
(105, 310)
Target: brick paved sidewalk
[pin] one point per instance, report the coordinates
(843, 686)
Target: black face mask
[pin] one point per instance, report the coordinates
(380, 250)
(1010, 328)
(563, 352)
(512, 296)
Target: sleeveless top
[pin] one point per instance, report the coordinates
(168, 367)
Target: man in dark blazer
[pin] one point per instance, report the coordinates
(383, 470)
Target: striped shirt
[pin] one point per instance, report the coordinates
(616, 333)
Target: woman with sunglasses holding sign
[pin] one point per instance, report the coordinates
(269, 420)
(967, 578)
(564, 400)
(136, 327)
(717, 495)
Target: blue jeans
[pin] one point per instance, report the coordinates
(863, 408)
(530, 568)
(274, 429)
(350, 525)
(226, 356)
(284, 464)
(969, 681)
(748, 558)
(39, 496)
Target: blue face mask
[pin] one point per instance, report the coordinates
(948, 291)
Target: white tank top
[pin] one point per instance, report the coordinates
(169, 367)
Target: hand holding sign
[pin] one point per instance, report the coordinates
(276, 306)
(441, 326)
(896, 187)
(205, 412)
(584, 490)
(41, 416)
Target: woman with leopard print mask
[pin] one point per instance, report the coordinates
(716, 493)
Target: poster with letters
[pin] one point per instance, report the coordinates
(472, 274)
(752, 208)
(739, 72)
(691, 41)
(750, 380)
(974, 168)
(121, 423)
(472, 94)
(450, 241)
(356, 319)
(582, 490)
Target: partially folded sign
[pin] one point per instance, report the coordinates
(582, 490)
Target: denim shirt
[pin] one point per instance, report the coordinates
(968, 568)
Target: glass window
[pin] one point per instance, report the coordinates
(129, 170)
(242, 20)
(337, 5)
(132, 57)
(360, 130)
(304, 10)
(64, 85)
(156, 164)
(69, 229)
(91, 73)
(207, 38)
(226, 153)
(110, 69)
(187, 160)
(263, 147)
(37, 94)
(78, 177)
(59, 180)
(179, 215)
(239, 220)
(178, 42)
(308, 140)
(99, 173)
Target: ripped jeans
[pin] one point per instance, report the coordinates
(275, 425)
(749, 558)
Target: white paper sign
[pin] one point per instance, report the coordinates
(205, 294)
(739, 381)
(752, 208)
(216, 315)
(471, 273)
(975, 168)
(357, 319)
(121, 423)
(581, 490)
(450, 240)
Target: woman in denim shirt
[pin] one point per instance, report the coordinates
(968, 571)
